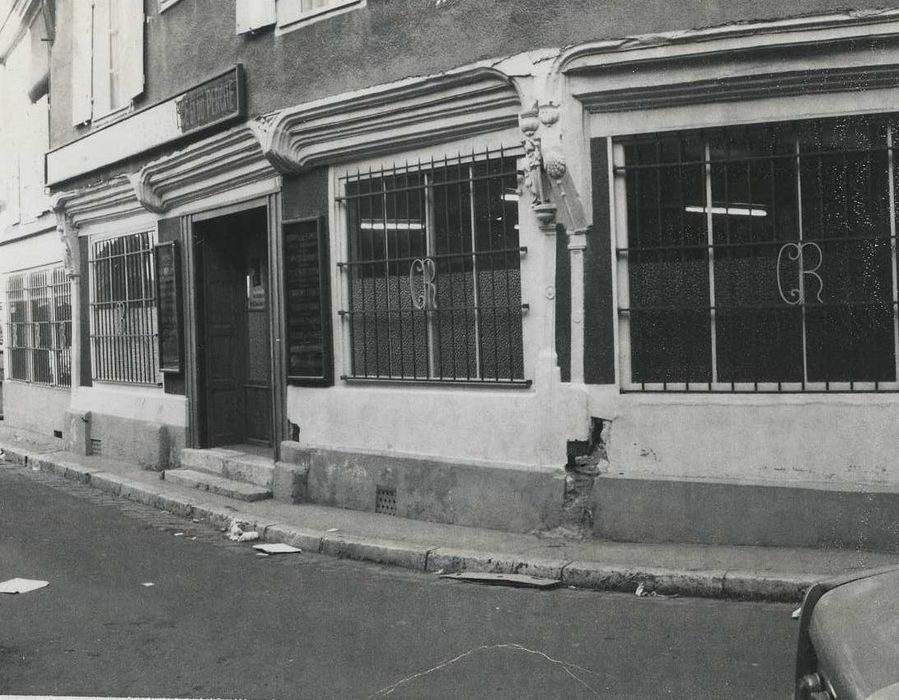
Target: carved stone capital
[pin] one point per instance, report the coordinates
(68, 234)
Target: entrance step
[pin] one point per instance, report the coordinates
(205, 481)
(231, 464)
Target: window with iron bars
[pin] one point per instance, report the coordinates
(761, 258)
(39, 327)
(123, 310)
(433, 271)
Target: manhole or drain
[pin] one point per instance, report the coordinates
(385, 501)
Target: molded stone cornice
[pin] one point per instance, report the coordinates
(408, 114)
(112, 199)
(734, 62)
(217, 164)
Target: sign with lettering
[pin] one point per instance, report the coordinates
(168, 307)
(218, 101)
(212, 102)
(307, 303)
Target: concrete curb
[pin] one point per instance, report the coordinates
(740, 585)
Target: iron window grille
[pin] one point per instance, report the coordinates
(760, 258)
(433, 271)
(123, 310)
(39, 327)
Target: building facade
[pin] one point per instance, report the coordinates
(508, 264)
(36, 312)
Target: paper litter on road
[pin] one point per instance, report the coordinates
(148, 584)
(332, 529)
(179, 534)
(277, 548)
(797, 613)
(22, 585)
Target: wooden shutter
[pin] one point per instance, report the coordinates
(82, 78)
(307, 303)
(254, 14)
(129, 62)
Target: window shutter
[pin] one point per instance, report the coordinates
(130, 61)
(82, 78)
(254, 14)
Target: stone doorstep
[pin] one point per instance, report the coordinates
(230, 464)
(582, 574)
(238, 490)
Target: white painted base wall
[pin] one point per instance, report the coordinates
(811, 438)
(36, 408)
(133, 403)
(467, 425)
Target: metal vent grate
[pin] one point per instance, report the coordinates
(385, 501)
(96, 446)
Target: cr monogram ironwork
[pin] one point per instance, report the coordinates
(796, 252)
(424, 296)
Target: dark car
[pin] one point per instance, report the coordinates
(849, 639)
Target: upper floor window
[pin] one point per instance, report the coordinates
(760, 258)
(287, 14)
(107, 58)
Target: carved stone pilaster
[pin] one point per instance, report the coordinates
(68, 234)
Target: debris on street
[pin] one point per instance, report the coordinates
(332, 529)
(797, 613)
(237, 534)
(179, 534)
(518, 580)
(148, 584)
(643, 592)
(276, 548)
(22, 585)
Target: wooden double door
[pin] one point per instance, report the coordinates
(234, 329)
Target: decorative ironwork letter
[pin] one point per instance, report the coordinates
(796, 251)
(424, 298)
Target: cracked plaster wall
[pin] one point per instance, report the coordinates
(786, 439)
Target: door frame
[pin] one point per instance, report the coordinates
(275, 302)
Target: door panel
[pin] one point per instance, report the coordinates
(225, 332)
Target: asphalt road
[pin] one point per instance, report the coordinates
(220, 621)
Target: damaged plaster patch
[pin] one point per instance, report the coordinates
(568, 668)
(587, 459)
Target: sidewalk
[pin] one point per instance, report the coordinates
(764, 573)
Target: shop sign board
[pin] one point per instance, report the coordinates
(215, 102)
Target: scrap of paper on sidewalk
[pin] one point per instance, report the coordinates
(276, 548)
(22, 585)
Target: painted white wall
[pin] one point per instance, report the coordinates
(131, 402)
(34, 251)
(839, 438)
(527, 428)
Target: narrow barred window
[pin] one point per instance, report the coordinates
(123, 310)
(39, 327)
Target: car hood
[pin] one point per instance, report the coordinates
(855, 629)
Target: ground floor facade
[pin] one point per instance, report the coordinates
(520, 294)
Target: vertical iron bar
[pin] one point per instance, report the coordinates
(891, 176)
(710, 238)
(475, 276)
(800, 232)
